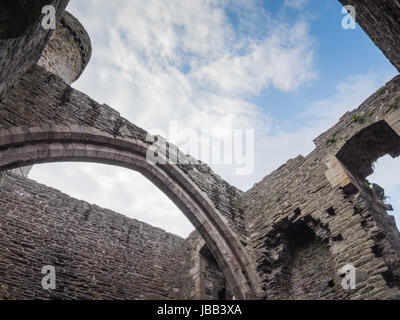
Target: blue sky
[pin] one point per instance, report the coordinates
(339, 54)
(285, 68)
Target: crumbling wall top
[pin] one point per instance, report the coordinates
(69, 50)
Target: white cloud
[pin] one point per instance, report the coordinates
(169, 59)
(283, 60)
(296, 4)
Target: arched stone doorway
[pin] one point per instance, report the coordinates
(44, 145)
(357, 157)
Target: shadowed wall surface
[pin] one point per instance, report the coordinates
(97, 253)
(21, 50)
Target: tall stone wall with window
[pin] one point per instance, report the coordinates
(327, 199)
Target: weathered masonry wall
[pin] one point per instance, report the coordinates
(325, 200)
(380, 20)
(66, 54)
(97, 253)
(86, 130)
(68, 51)
(24, 39)
(286, 238)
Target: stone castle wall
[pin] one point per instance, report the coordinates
(97, 253)
(326, 197)
(204, 279)
(43, 99)
(286, 238)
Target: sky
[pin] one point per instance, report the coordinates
(285, 68)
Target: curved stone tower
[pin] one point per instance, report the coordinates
(66, 55)
(68, 51)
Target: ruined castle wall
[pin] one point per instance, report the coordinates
(192, 281)
(66, 54)
(21, 50)
(287, 196)
(324, 196)
(22, 45)
(97, 253)
(214, 285)
(380, 20)
(312, 258)
(42, 101)
(68, 51)
(295, 195)
(300, 224)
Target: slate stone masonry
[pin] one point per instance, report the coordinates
(288, 237)
(97, 253)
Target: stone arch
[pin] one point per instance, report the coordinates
(26, 146)
(362, 136)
